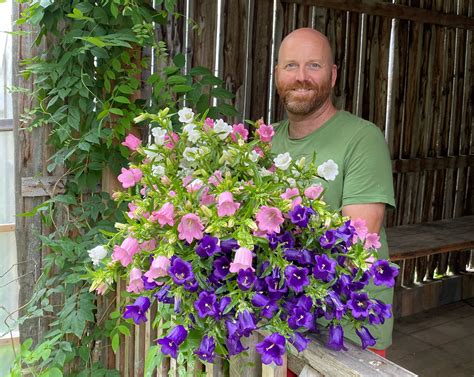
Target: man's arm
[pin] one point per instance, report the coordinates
(372, 213)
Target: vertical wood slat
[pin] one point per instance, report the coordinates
(31, 155)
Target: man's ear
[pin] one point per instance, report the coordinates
(334, 75)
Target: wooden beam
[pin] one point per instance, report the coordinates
(413, 165)
(402, 12)
(416, 240)
(6, 125)
(7, 228)
(42, 186)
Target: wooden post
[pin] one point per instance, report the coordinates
(30, 160)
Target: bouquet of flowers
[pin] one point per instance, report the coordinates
(228, 239)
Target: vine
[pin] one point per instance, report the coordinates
(87, 90)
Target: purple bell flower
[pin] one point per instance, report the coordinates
(191, 285)
(384, 273)
(273, 240)
(223, 303)
(206, 304)
(269, 307)
(379, 312)
(221, 267)
(296, 278)
(171, 342)
(276, 287)
(300, 318)
(366, 337)
(336, 338)
(206, 349)
(148, 285)
(325, 268)
(246, 323)
(300, 215)
(346, 233)
(272, 349)
(227, 246)
(328, 239)
(286, 239)
(299, 341)
(245, 279)
(208, 246)
(234, 346)
(162, 295)
(359, 304)
(138, 310)
(180, 271)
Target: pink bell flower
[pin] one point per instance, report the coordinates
(360, 227)
(290, 193)
(136, 283)
(206, 198)
(226, 205)
(215, 178)
(208, 125)
(170, 141)
(372, 240)
(165, 215)
(190, 228)
(239, 129)
(242, 260)
(132, 142)
(148, 245)
(313, 192)
(269, 219)
(131, 210)
(130, 177)
(125, 251)
(159, 268)
(265, 133)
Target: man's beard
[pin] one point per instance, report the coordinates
(308, 104)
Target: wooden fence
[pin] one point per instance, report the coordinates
(407, 68)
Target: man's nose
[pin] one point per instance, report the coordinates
(301, 74)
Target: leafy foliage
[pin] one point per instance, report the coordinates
(87, 88)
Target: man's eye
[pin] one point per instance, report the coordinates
(291, 65)
(314, 66)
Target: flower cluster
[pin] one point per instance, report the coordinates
(233, 239)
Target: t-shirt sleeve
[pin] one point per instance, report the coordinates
(368, 169)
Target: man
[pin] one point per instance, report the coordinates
(305, 75)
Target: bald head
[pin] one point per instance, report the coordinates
(305, 73)
(303, 38)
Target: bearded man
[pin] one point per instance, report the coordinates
(305, 75)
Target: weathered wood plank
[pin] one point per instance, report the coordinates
(409, 241)
(384, 9)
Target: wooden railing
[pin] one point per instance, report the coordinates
(316, 360)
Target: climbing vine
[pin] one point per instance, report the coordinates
(87, 87)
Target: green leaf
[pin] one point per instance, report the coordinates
(124, 330)
(153, 358)
(179, 60)
(227, 109)
(198, 71)
(169, 5)
(181, 88)
(94, 40)
(115, 342)
(53, 372)
(221, 93)
(84, 145)
(116, 111)
(122, 99)
(211, 80)
(178, 79)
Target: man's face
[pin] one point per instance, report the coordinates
(305, 74)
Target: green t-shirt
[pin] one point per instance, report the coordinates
(365, 176)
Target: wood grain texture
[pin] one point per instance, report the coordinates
(415, 240)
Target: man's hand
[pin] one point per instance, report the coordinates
(372, 213)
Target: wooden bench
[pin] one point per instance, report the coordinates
(424, 252)
(444, 236)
